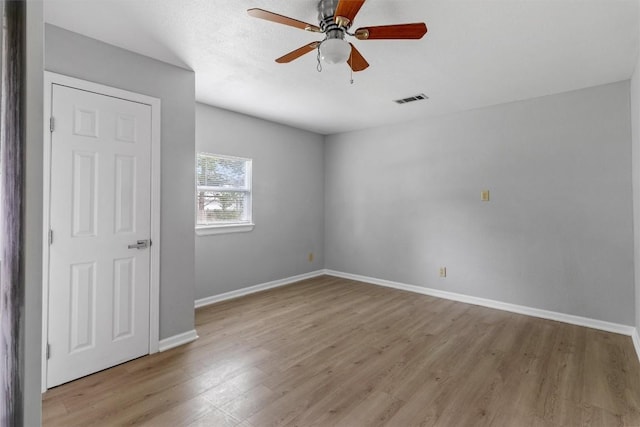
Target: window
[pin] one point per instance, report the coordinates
(223, 194)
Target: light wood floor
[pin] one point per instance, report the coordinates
(329, 351)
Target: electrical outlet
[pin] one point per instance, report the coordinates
(484, 195)
(310, 257)
(443, 271)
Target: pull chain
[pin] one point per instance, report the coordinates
(351, 64)
(319, 67)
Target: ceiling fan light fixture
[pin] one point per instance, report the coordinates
(335, 18)
(335, 51)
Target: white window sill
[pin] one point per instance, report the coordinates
(206, 230)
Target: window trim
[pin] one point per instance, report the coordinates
(207, 230)
(228, 227)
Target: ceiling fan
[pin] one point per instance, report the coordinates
(335, 18)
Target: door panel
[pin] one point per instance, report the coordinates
(123, 298)
(125, 195)
(100, 204)
(82, 319)
(85, 211)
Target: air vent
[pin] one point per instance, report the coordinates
(419, 97)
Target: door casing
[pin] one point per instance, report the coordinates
(51, 79)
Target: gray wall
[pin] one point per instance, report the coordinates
(635, 143)
(288, 193)
(403, 200)
(82, 57)
(33, 216)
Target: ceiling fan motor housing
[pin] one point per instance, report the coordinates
(326, 9)
(326, 17)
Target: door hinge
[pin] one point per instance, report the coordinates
(52, 123)
(48, 351)
(50, 237)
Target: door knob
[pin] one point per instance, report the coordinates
(141, 244)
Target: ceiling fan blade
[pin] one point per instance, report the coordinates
(297, 53)
(281, 19)
(402, 31)
(356, 61)
(347, 9)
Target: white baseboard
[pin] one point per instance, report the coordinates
(484, 302)
(256, 288)
(178, 340)
(520, 309)
(636, 342)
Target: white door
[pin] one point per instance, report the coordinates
(100, 222)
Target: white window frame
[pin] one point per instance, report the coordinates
(228, 227)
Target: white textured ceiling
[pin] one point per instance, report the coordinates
(476, 53)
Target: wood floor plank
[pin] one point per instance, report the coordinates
(329, 351)
(375, 410)
(194, 411)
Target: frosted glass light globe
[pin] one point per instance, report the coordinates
(335, 51)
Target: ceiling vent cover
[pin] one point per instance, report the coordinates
(419, 97)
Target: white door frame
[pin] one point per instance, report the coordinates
(51, 79)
